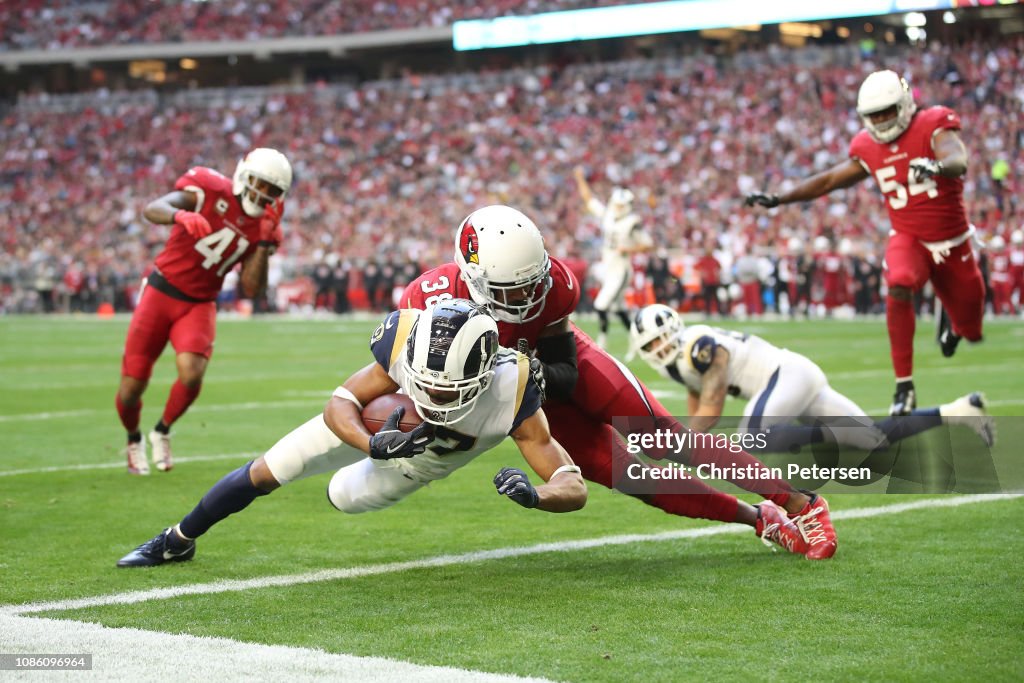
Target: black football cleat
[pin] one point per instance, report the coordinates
(904, 401)
(162, 548)
(944, 335)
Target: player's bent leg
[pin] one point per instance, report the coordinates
(844, 422)
(960, 287)
(233, 493)
(309, 449)
(184, 391)
(129, 407)
(370, 485)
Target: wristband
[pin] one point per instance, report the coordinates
(565, 468)
(342, 392)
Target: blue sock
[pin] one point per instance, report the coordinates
(902, 427)
(229, 495)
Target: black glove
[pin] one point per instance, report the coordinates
(513, 482)
(769, 201)
(391, 442)
(536, 368)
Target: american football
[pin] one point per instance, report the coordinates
(379, 409)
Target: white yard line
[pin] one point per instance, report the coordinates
(120, 464)
(131, 654)
(464, 558)
(215, 408)
(128, 654)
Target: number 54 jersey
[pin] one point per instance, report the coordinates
(511, 398)
(197, 268)
(932, 210)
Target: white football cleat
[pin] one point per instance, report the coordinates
(161, 444)
(969, 411)
(136, 454)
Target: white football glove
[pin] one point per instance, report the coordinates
(923, 168)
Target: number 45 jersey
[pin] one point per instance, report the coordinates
(197, 268)
(932, 210)
(511, 398)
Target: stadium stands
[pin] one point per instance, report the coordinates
(386, 170)
(32, 24)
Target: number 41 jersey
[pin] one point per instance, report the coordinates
(197, 268)
(932, 210)
(511, 398)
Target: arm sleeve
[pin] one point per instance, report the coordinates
(558, 354)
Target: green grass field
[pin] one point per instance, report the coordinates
(929, 592)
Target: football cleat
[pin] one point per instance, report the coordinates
(135, 451)
(815, 525)
(944, 335)
(773, 526)
(970, 411)
(904, 402)
(161, 444)
(167, 546)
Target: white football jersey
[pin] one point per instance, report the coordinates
(752, 360)
(511, 397)
(616, 232)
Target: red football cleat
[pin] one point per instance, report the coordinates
(773, 526)
(815, 523)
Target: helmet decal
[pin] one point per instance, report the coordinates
(469, 243)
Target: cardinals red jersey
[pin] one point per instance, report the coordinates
(932, 210)
(197, 268)
(445, 282)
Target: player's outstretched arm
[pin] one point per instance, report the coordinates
(564, 490)
(162, 209)
(343, 413)
(848, 173)
(582, 186)
(556, 350)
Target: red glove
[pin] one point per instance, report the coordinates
(194, 223)
(271, 234)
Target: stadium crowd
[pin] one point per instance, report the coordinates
(34, 24)
(386, 171)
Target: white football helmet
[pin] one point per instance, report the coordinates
(449, 360)
(264, 164)
(654, 334)
(621, 202)
(501, 256)
(880, 91)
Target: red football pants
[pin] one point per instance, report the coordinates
(190, 327)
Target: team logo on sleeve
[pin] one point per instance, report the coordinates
(377, 335)
(469, 244)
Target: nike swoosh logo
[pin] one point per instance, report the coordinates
(389, 323)
(395, 448)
